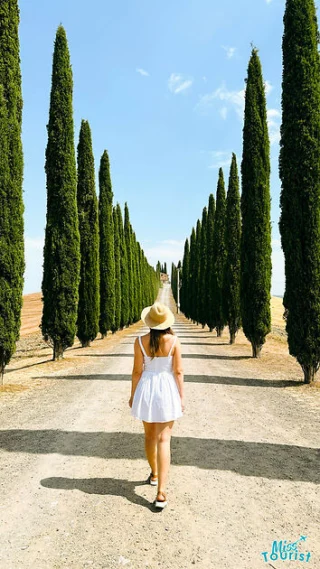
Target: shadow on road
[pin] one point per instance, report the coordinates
(101, 486)
(240, 381)
(267, 460)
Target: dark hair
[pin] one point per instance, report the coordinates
(155, 336)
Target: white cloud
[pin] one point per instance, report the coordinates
(234, 98)
(142, 72)
(178, 83)
(268, 87)
(223, 112)
(220, 159)
(230, 51)
(268, 1)
(204, 79)
(274, 118)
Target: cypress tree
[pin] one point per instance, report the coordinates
(192, 275)
(107, 261)
(196, 283)
(300, 176)
(185, 279)
(127, 236)
(124, 272)
(12, 263)
(231, 289)
(117, 263)
(61, 269)
(89, 300)
(203, 269)
(210, 262)
(255, 209)
(165, 270)
(219, 257)
(7, 315)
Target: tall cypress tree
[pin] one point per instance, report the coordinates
(89, 293)
(219, 257)
(300, 176)
(117, 263)
(61, 269)
(124, 272)
(196, 282)
(255, 208)
(127, 236)
(210, 262)
(185, 279)
(192, 276)
(7, 315)
(203, 269)
(231, 288)
(107, 262)
(12, 263)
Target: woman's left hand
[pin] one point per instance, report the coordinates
(130, 401)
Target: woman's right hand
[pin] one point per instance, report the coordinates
(182, 404)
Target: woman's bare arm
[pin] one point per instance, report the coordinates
(137, 369)
(177, 367)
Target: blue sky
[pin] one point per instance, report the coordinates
(161, 84)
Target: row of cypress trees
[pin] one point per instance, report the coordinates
(226, 268)
(12, 263)
(95, 275)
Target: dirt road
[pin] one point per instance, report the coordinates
(244, 472)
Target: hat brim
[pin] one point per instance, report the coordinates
(154, 325)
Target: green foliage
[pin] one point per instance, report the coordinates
(89, 300)
(185, 279)
(219, 258)
(210, 263)
(12, 262)
(127, 236)
(107, 258)
(192, 276)
(196, 273)
(117, 263)
(231, 288)
(300, 176)
(61, 269)
(255, 208)
(124, 271)
(203, 256)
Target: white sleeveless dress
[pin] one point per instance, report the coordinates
(156, 398)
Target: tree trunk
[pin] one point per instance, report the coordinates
(210, 329)
(256, 350)
(309, 373)
(219, 331)
(232, 337)
(57, 351)
(85, 344)
(2, 366)
(203, 325)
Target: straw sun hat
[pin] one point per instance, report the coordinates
(158, 316)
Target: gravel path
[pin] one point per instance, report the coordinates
(244, 472)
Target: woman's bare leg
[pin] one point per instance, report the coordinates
(150, 441)
(163, 431)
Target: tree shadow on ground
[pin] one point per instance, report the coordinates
(240, 381)
(247, 458)
(101, 486)
(185, 356)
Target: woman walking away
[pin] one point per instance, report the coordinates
(157, 396)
